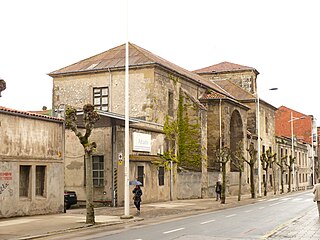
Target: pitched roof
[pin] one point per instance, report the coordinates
(29, 114)
(225, 67)
(115, 59)
(238, 92)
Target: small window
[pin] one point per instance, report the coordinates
(170, 103)
(266, 124)
(40, 180)
(100, 98)
(141, 174)
(24, 181)
(98, 171)
(161, 176)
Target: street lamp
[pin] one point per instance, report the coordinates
(259, 140)
(292, 119)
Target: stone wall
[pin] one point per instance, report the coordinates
(31, 144)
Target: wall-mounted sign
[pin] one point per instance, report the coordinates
(120, 159)
(141, 142)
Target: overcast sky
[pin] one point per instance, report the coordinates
(279, 38)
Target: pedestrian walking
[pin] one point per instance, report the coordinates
(316, 197)
(218, 190)
(137, 198)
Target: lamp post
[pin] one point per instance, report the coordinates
(259, 139)
(312, 152)
(292, 119)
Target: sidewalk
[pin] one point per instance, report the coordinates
(305, 227)
(42, 225)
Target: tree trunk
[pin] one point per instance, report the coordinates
(274, 181)
(239, 193)
(289, 187)
(252, 187)
(89, 190)
(266, 183)
(282, 184)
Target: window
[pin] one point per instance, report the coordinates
(98, 171)
(170, 103)
(246, 84)
(40, 180)
(24, 181)
(100, 98)
(266, 124)
(161, 176)
(140, 174)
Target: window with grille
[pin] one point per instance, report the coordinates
(98, 171)
(40, 180)
(161, 176)
(140, 174)
(100, 98)
(24, 181)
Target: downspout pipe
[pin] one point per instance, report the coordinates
(110, 91)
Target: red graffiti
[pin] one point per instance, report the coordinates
(5, 176)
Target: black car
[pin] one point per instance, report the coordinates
(70, 198)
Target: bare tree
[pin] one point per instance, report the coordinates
(238, 160)
(290, 167)
(2, 86)
(251, 162)
(223, 156)
(282, 164)
(267, 159)
(90, 117)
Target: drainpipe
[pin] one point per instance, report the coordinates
(109, 93)
(114, 165)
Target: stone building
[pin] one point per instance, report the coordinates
(299, 128)
(241, 82)
(158, 89)
(31, 164)
(300, 176)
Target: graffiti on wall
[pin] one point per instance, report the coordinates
(5, 186)
(5, 176)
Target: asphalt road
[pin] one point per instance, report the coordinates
(254, 221)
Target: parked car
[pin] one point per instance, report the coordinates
(70, 198)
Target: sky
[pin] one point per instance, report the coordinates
(279, 38)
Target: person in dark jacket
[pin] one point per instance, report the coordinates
(218, 190)
(137, 197)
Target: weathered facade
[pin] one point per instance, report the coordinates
(301, 175)
(158, 89)
(31, 164)
(299, 128)
(241, 82)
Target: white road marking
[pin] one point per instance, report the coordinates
(285, 199)
(174, 230)
(273, 199)
(249, 210)
(296, 199)
(208, 221)
(275, 204)
(232, 215)
(261, 207)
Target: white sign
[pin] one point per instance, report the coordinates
(141, 142)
